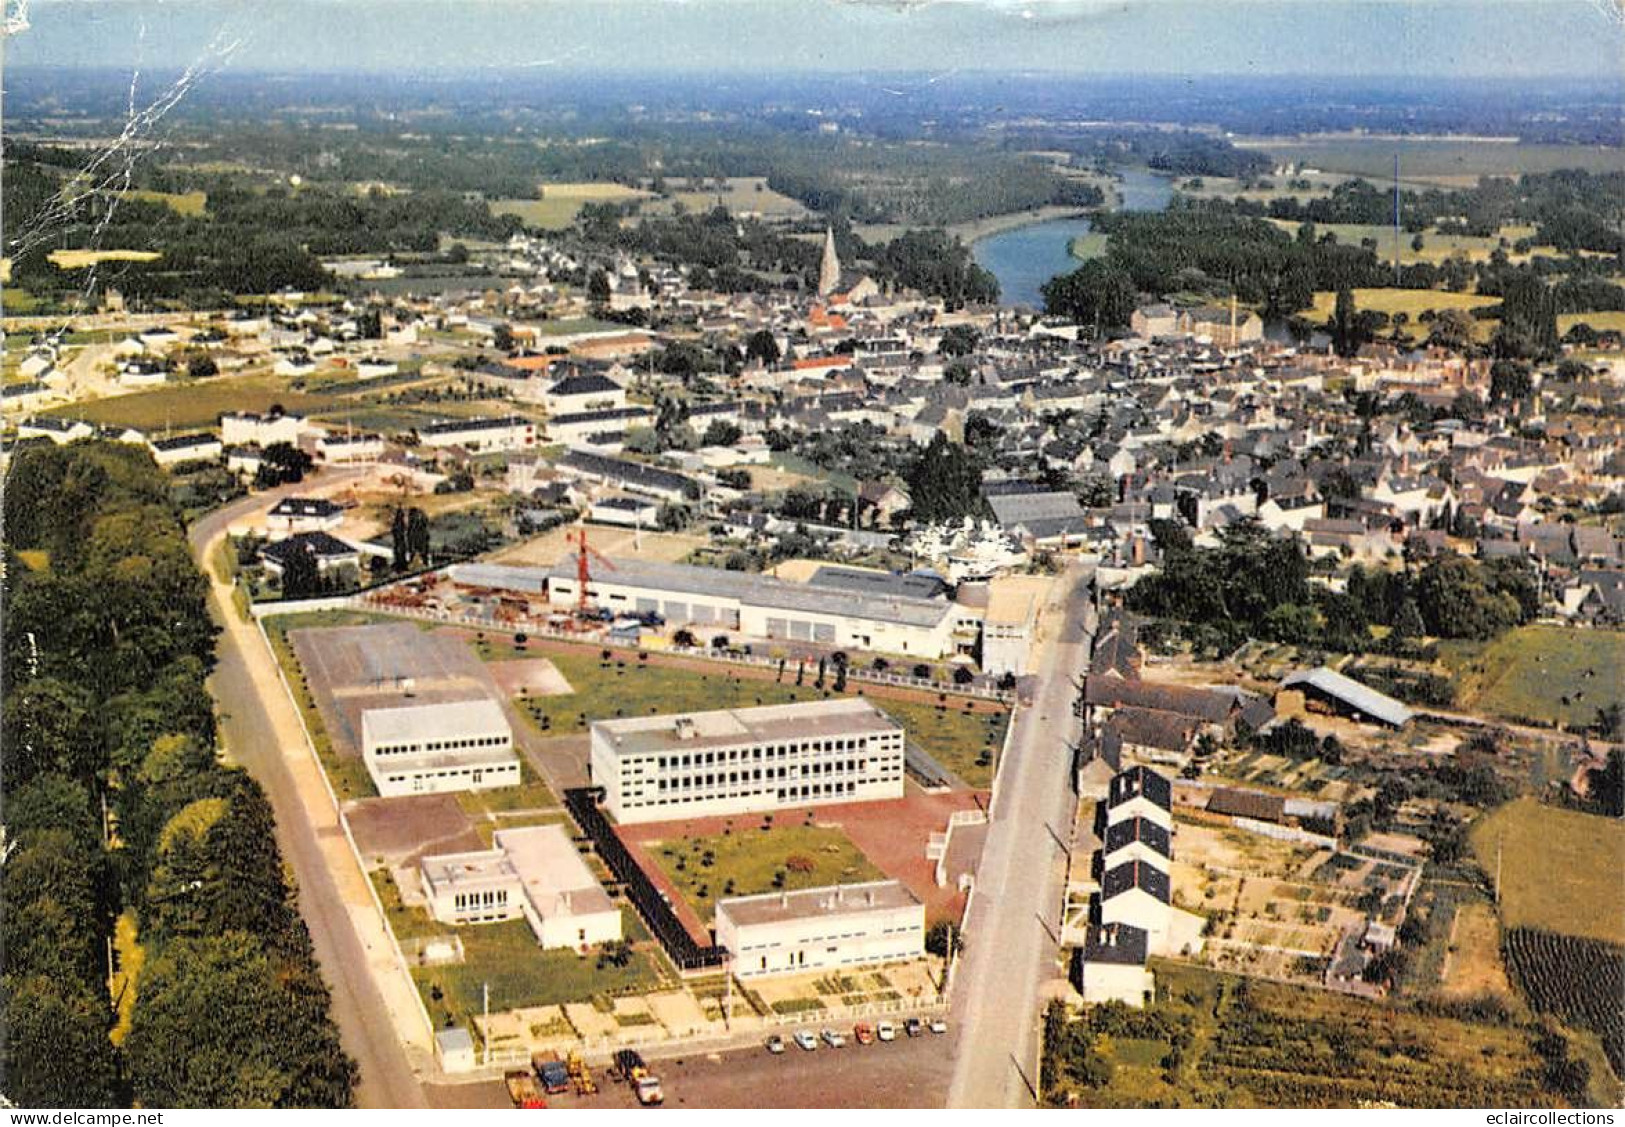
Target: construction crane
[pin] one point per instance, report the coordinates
(584, 551)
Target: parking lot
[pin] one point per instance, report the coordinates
(905, 1073)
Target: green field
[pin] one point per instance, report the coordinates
(1085, 247)
(182, 203)
(1215, 1040)
(605, 690)
(1559, 869)
(1449, 162)
(1410, 302)
(1435, 247)
(754, 859)
(560, 203)
(1539, 674)
(740, 194)
(504, 957)
(1611, 321)
(200, 404)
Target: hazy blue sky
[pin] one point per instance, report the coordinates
(1330, 37)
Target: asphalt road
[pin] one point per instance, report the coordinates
(1010, 935)
(365, 1026)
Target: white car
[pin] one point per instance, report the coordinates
(775, 1044)
(886, 1031)
(939, 1025)
(834, 1039)
(805, 1040)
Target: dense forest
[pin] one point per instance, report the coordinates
(117, 805)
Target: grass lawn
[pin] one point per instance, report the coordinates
(751, 859)
(964, 735)
(1085, 247)
(505, 958)
(572, 325)
(1613, 320)
(1559, 868)
(196, 404)
(1541, 674)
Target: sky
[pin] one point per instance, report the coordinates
(1431, 38)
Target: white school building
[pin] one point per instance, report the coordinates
(533, 872)
(818, 929)
(430, 748)
(748, 760)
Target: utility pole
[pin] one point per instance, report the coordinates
(485, 1024)
(1396, 218)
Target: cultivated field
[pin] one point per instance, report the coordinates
(739, 194)
(1559, 869)
(560, 203)
(1472, 963)
(1582, 981)
(1445, 162)
(1540, 674)
(1411, 302)
(1218, 1041)
(1612, 321)
(182, 203)
(79, 259)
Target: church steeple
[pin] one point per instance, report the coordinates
(829, 271)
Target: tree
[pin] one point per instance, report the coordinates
(1606, 785)
(1510, 379)
(762, 346)
(1348, 332)
(282, 463)
(400, 547)
(944, 482)
(959, 340)
(1456, 602)
(200, 365)
(598, 289)
(55, 1052)
(721, 432)
(369, 323)
(301, 574)
(1453, 329)
(959, 374)
(417, 534)
(50, 728)
(502, 338)
(219, 1022)
(1097, 293)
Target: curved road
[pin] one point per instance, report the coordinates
(253, 737)
(1010, 934)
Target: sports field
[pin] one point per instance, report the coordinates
(1559, 869)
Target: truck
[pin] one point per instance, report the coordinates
(554, 1076)
(580, 1074)
(523, 1089)
(629, 1066)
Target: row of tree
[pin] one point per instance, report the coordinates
(117, 806)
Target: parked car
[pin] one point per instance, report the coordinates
(886, 1031)
(833, 1039)
(939, 1025)
(913, 1026)
(805, 1039)
(863, 1033)
(775, 1044)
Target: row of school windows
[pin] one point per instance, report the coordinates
(756, 775)
(873, 933)
(771, 751)
(470, 901)
(442, 745)
(475, 774)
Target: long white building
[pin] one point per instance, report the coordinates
(430, 748)
(761, 606)
(818, 929)
(534, 873)
(741, 761)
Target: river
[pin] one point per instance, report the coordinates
(1024, 258)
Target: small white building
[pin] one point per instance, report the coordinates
(432, 748)
(534, 873)
(633, 512)
(358, 446)
(741, 761)
(583, 392)
(293, 515)
(186, 448)
(820, 929)
(248, 429)
(1009, 624)
(1111, 966)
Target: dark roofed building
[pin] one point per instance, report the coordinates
(1142, 831)
(1135, 875)
(1140, 782)
(1256, 804)
(1211, 706)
